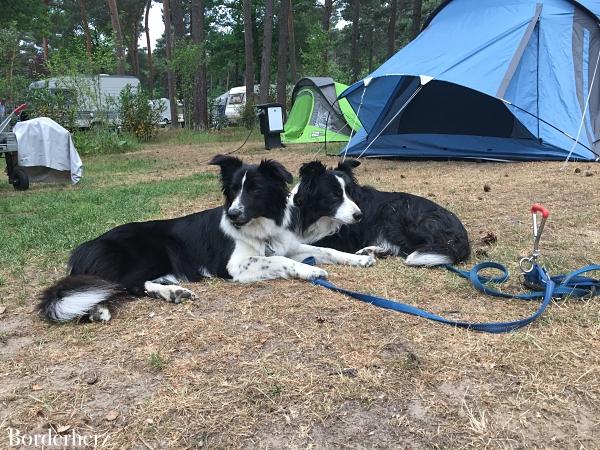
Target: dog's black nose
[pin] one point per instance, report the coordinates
(234, 213)
(357, 216)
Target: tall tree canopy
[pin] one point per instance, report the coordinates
(288, 39)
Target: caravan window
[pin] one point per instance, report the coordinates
(236, 99)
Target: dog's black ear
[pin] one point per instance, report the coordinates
(347, 166)
(228, 165)
(312, 168)
(276, 170)
(308, 173)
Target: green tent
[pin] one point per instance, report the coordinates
(316, 115)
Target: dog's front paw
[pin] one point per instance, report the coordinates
(374, 250)
(366, 261)
(178, 294)
(312, 273)
(170, 293)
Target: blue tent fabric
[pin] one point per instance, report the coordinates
(488, 79)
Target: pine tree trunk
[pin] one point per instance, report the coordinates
(177, 20)
(118, 34)
(265, 65)
(169, 54)
(11, 69)
(354, 52)
(282, 52)
(249, 50)
(133, 49)
(292, 42)
(45, 50)
(391, 42)
(326, 23)
(200, 96)
(45, 38)
(416, 17)
(86, 29)
(149, 50)
(371, 45)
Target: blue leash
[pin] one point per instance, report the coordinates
(572, 285)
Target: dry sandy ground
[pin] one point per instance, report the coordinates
(288, 364)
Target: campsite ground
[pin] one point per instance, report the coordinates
(288, 364)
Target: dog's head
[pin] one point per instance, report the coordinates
(324, 192)
(252, 191)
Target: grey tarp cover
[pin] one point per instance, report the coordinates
(44, 143)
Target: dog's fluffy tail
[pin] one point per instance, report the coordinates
(424, 258)
(78, 296)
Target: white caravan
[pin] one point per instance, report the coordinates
(236, 101)
(96, 96)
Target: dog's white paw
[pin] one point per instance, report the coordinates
(178, 294)
(365, 261)
(171, 293)
(99, 313)
(374, 250)
(312, 273)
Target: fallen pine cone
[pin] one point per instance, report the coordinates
(489, 238)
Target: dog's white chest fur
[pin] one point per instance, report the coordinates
(263, 251)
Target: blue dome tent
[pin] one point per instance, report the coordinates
(488, 79)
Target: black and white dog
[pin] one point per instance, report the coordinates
(394, 223)
(251, 237)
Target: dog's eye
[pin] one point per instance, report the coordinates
(334, 196)
(326, 201)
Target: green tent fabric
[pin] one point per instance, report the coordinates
(316, 114)
(347, 111)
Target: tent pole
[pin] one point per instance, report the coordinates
(392, 119)
(537, 84)
(354, 124)
(549, 124)
(587, 103)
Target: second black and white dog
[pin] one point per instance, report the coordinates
(394, 223)
(252, 237)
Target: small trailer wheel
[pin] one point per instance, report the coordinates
(20, 180)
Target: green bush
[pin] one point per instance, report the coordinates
(138, 115)
(102, 141)
(60, 106)
(248, 115)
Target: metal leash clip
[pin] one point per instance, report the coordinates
(527, 263)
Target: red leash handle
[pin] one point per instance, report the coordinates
(539, 208)
(20, 108)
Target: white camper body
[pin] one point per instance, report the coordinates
(96, 96)
(165, 115)
(236, 102)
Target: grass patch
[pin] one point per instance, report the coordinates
(42, 227)
(189, 137)
(103, 141)
(157, 361)
(4, 337)
(120, 167)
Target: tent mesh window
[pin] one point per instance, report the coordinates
(325, 117)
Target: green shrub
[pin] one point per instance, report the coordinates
(138, 115)
(58, 105)
(248, 115)
(102, 141)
